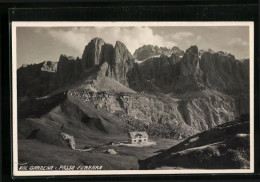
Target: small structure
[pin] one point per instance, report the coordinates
(137, 137)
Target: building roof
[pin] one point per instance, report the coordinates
(136, 134)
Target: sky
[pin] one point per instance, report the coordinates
(37, 44)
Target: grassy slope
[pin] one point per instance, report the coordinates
(223, 147)
(40, 142)
(34, 152)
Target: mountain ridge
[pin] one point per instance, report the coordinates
(147, 51)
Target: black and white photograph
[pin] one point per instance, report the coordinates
(95, 98)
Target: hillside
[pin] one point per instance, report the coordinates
(223, 147)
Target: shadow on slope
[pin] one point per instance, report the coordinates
(223, 147)
(88, 126)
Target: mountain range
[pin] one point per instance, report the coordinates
(108, 92)
(196, 91)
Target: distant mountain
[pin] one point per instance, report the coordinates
(174, 94)
(148, 51)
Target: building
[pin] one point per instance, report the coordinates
(137, 137)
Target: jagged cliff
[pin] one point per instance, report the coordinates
(215, 71)
(96, 53)
(167, 95)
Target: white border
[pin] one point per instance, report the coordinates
(122, 24)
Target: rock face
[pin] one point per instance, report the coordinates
(180, 93)
(141, 112)
(148, 51)
(168, 74)
(190, 76)
(217, 71)
(118, 58)
(146, 112)
(226, 146)
(68, 72)
(121, 64)
(225, 73)
(96, 52)
(159, 73)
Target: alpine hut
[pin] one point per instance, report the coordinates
(138, 137)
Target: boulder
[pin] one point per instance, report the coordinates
(70, 140)
(111, 151)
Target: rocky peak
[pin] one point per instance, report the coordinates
(64, 59)
(210, 51)
(92, 54)
(221, 53)
(191, 57)
(190, 76)
(192, 50)
(97, 40)
(177, 51)
(121, 63)
(175, 48)
(202, 51)
(49, 66)
(121, 53)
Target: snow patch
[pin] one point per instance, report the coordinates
(194, 139)
(242, 135)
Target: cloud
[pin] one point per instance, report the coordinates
(133, 37)
(180, 36)
(198, 37)
(238, 42)
(184, 39)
